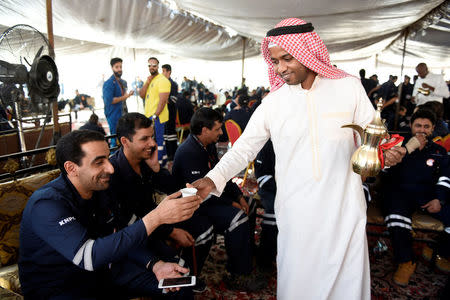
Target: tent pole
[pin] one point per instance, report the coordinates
(400, 86)
(404, 51)
(56, 127)
(244, 39)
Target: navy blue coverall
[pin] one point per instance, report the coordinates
(69, 248)
(131, 198)
(216, 214)
(267, 189)
(421, 177)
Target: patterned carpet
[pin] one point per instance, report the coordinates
(214, 270)
(426, 283)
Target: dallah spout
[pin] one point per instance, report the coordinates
(356, 128)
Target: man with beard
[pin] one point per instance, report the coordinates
(319, 206)
(422, 181)
(114, 96)
(69, 238)
(155, 93)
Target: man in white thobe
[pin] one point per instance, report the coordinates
(432, 87)
(319, 206)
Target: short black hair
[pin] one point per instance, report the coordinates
(436, 107)
(129, 122)
(154, 58)
(167, 67)
(93, 118)
(362, 73)
(186, 94)
(204, 117)
(424, 113)
(115, 60)
(68, 147)
(243, 100)
(242, 92)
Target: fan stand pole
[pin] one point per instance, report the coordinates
(23, 147)
(56, 127)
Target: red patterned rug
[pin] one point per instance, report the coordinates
(426, 283)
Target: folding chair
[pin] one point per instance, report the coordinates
(234, 132)
(443, 141)
(180, 128)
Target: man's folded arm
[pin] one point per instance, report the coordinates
(65, 234)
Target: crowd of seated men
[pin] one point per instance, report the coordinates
(422, 180)
(97, 230)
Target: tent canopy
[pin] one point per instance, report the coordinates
(205, 38)
(206, 29)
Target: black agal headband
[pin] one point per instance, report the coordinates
(290, 29)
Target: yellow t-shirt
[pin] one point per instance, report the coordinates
(159, 84)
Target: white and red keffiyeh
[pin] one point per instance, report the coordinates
(308, 48)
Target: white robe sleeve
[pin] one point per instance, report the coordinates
(244, 150)
(441, 88)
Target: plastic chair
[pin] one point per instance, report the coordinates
(443, 141)
(234, 132)
(180, 128)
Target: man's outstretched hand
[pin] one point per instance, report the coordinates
(394, 156)
(204, 186)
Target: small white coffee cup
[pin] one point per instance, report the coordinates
(186, 192)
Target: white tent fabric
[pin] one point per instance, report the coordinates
(351, 29)
(127, 23)
(195, 36)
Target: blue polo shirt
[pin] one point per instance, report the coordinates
(111, 89)
(67, 242)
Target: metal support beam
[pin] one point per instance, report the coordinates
(244, 41)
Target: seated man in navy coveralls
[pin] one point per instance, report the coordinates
(68, 238)
(267, 189)
(227, 214)
(137, 176)
(420, 181)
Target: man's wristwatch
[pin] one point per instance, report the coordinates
(154, 117)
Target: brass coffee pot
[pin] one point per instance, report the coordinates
(426, 92)
(367, 159)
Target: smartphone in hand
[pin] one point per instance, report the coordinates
(176, 282)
